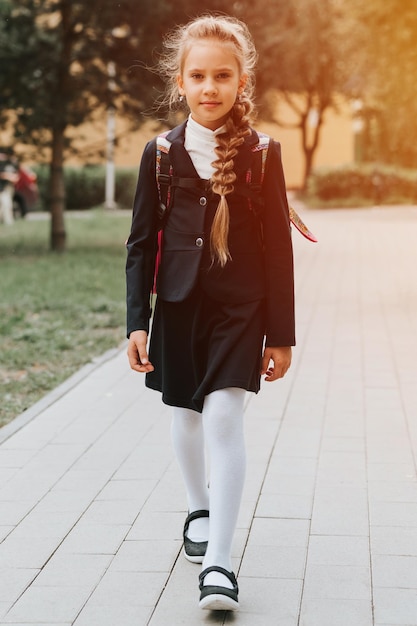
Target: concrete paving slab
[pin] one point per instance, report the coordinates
(91, 500)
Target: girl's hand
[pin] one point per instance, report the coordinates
(137, 353)
(281, 358)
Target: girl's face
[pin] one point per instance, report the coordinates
(210, 81)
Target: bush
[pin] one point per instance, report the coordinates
(85, 186)
(369, 183)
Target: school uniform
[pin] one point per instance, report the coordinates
(210, 323)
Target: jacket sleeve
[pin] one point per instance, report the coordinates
(279, 267)
(142, 245)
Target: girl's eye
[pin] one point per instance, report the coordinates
(224, 75)
(197, 76)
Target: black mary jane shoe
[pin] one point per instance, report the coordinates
(194, 551)
(215, 597)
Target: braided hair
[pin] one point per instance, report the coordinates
(224, 29)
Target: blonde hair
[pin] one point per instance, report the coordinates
(224, 29)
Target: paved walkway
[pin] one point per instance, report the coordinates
(91, 502)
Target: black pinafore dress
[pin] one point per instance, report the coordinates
(200, 345)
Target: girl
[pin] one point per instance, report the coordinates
(225, 307)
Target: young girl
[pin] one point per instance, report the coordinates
(225, 309)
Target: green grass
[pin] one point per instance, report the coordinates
(57, 311)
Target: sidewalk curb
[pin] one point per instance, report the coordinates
(29, 414)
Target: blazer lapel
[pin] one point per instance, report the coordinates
(179, 157)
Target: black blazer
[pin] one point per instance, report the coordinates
(262, 262)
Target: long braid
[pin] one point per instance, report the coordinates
(225, 30)
(224, 177)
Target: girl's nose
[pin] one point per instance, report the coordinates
(210, 87)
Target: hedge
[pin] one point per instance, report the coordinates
(369, 183)
(85, 186)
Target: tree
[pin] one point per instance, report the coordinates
(389, 94)
(63, 49)
(307, 58)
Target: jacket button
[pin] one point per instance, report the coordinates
(203, 201)
(198, 242)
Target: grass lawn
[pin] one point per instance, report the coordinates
(58, 311)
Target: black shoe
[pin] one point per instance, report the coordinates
(194, 551)
(216, 598)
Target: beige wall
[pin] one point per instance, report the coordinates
(336, 145)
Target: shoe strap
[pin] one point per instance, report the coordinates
(220, 570)
(193, 516)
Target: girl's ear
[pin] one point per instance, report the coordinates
(180, 85)
(242, 83)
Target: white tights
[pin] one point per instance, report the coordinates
(219, 429)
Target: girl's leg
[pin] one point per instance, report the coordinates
(188, 442)
(223, 429)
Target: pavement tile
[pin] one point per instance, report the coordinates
(338, 550)
(347, 582)
(340, 510)
(114, 513)
(394, 540)
(12, 511)
(5, 531)
(129, 589)
(383, 491)
(386, 471)
(73, 570)
(394, 571)
(94, 538)
(13, 582)
(274, 562)
(26, 552)
(288, 485)
(332, 612)
(150, 525)
(146, 556)
(7, 474)
(47, 605)
(393, 513)
(279, 532)
(285, 505)
(395, 606)
(113, 615)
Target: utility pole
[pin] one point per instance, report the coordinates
(110, 141)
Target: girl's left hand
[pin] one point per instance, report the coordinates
(281, 358)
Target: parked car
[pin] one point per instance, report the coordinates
(26, 191)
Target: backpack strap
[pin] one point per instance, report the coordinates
(257, 172)
(163, 170)
(252, 190)
(165, 179)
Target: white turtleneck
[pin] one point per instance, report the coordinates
(200, 143)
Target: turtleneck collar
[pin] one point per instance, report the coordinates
(200, 143)
(202, 132)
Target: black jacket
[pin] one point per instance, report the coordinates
(262, 262)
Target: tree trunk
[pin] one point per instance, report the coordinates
(310, 147)
(57, 187)
(57, 192)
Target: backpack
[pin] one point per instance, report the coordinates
(254, 177)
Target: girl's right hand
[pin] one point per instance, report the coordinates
(137, 353)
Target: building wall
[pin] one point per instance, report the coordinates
(336, 144)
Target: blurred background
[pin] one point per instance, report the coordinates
(335, 84)
(79, 99)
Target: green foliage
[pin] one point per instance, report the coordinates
(57, 312)
(84, 186)
(390, 69)
(370, 183)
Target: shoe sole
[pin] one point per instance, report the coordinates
(193, 559)
(218, 602)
